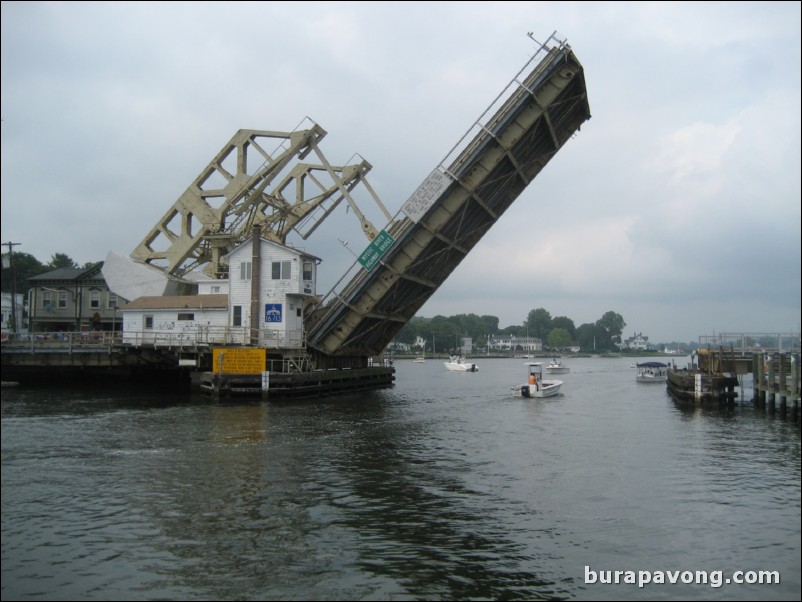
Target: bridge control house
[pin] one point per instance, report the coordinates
(277, 280)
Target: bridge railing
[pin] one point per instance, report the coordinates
(101, 340)
(96, 339)
(521, 84)
(752, 342)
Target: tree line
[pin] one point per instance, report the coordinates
(445, 332)
(19, 267)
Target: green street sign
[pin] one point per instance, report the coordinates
(374, 251)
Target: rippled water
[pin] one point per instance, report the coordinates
(444, 487)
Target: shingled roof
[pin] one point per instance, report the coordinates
(179, 302)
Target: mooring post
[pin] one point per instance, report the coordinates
(758, 380)
(795, 386)
(782, 388)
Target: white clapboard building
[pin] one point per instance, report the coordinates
(221, 312)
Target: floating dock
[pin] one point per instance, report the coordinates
(299, 385)
(691, 385)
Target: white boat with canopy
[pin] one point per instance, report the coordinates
(536, 385)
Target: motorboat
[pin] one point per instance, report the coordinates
(458, 363)
(419, 360)
(557, 367)
(651, 372)
(536, 385)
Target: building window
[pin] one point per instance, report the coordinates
(148, 322)
(47, 300)
(186, 316)
(94, 299)
(245, 270)
(112, 301)
(236, 318)
(216, 290)
(62, 299)
(308, 270)
(282, 270)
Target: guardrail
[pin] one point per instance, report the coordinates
(69, 342)
(61, 341)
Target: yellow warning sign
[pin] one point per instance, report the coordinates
(239, 361)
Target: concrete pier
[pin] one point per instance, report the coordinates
(776, 382)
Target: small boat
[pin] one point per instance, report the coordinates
(651, 372)
(557, 367)
(420, 359)
(536, 385)
(458, 363)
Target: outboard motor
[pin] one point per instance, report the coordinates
(525, 391)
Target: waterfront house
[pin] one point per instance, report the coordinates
(177, 320)
(513, 343)
(286, 281)
(13, 314)
(221, 311)
(636, 343)
(72, 300)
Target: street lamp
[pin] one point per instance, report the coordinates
(345, 244)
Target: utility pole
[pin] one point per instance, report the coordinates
(11, 246)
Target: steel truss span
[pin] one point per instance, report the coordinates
(507, 147)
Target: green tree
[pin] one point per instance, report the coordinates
(538, 323)
(25, 266)
(443, 329)
(518, 331)
(61, 260)
(559, 338)
(586, 336)
(611, 326)
(566, 324)
(491, 324)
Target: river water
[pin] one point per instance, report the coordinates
(444, 487)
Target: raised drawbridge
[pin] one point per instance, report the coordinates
(269, 179)
(533, 117)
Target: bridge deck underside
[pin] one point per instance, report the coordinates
(506, 154)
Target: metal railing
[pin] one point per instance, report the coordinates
(206, 336)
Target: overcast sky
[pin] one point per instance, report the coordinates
(677, 205)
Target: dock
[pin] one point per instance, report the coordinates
(70, 357)
(716, 374)
(298, 385)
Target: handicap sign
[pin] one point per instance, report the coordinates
(272, 312)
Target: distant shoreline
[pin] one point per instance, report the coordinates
(411, 356)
